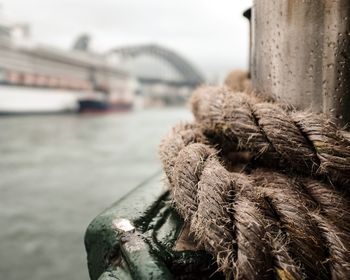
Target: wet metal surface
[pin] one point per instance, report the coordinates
(148, 252)
(300, 53)
(123, 225)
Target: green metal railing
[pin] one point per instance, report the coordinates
(135, 237)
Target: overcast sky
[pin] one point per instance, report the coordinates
(211, 34)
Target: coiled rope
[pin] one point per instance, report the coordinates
(302, 141)
(261, 223)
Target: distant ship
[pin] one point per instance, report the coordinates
(96, 106)
(38, 79)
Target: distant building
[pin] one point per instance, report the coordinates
(49, 73)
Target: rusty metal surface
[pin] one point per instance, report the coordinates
(301, 53)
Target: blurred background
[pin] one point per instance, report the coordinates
(87, 90)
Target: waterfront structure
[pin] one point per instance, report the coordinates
(57, 80)
(86, 77)
(164, 76)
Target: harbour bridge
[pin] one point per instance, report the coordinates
(189, 75)
(162, 73)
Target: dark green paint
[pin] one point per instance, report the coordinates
(146, 252)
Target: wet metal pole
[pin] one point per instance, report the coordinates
(301, 54)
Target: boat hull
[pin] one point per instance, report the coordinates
(30, 101)
(97, 106)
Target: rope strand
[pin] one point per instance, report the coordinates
(306, 143)
(264, 224)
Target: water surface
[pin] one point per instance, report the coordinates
(57, 173)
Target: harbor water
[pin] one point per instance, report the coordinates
(58, 172)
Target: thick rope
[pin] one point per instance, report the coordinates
(303, 142)
(238, 80)
(262, 224)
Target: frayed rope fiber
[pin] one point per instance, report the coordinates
(284, 217)
(304, 142)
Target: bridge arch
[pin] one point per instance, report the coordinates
(190, 74)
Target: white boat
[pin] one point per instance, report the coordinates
(42, 79)
(26, 100)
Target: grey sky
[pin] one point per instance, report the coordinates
(212, 34)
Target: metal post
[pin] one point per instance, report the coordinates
(301, 53)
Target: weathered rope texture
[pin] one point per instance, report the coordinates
(261, 224)
(238, 80)
(300, 141)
